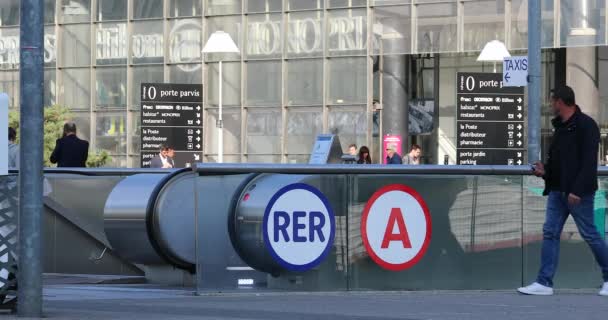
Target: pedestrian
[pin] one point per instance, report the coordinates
(70, 151)
(392, 157)
(413, 158)
(13, 149)
(364, 157)
(570, 176)
(163, 159)
(352, 150)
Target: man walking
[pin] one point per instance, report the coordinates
(413, 158)
(163, 159)
(13, 148)
(70, 151)
(392, 157)
(570, 176)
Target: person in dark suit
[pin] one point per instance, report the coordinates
(70, 151)
(164, 159)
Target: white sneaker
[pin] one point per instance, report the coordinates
(537, 289)
(604, 291)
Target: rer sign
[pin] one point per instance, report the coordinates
(299, 227)
(515, 71)
(396, 227)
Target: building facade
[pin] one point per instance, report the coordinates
(358, 68)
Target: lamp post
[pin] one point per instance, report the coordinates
(220, 42)
(494, 51)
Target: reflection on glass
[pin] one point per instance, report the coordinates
(303, 126)
(230, 25)
(483, 22)
(144, 74)
(392, 30)
(83, 125)
(263, 131)
(305, 34)
(267, 92)
(437, 27)
(305, 5)
(580, 22)
(76, 88)
(232, 130)
(50, 47)
(9, 84)
(231, 89)
(50, 87)
(9, 48)
(75, 45)
(185, 44)
(185, 73)
(111, 87)
(350, 124)
(347, 34)
(185, 8)
(134, 134)
(111, 133)
(264, 36)
(264, 5)
(347, 80)
(519, 24)
(111, 43)
(9, 12)
(305, 82)
(145, 9)
(74, 11)
(346, 3)
(111, 10)
(263, 159)
(49, 11)
(220, 7)
(147, 45)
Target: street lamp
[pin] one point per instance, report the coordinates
(494, 51)
(220, 42)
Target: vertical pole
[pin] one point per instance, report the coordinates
(534, 78)
(30, 174)
(220, 123)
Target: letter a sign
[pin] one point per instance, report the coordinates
(396, 227)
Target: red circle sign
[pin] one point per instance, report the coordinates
(396, 227)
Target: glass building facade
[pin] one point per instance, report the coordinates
(357, 68)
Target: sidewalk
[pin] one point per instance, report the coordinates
(151, 303)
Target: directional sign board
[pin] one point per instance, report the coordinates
(4, 137)
(490, 121)
(396, 227)
(299, 227)
(515, 71)
(172, 115)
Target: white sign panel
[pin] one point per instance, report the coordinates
(299, 227)
(396, 227)
(515, 71)
(4, 134)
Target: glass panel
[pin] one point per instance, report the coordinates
(9, 84)
(228, 158)
(519, 24)
(117, 162)
(483, 22)
(185, 41)
(305, 82)
(469, 236)
(83, 125)
(111, 46)
(264, 131)
(134, 161)
(437, 27)
(581, 23)
(75, 11)
(303, 126)
(392, 2)
(111, 132)
(263, 159)
(264, 5)
(134, 135)
(347, 34)
(347, 80)
(50, 87)
(297, 158)
(9, 48)
(392, 30)
(231, 25)
(347, 3)
(267, 92)
(185, 73)
(75, 90)
(147, 42)
(49, 11)
(305, 34)
(50, 46)
(231, 73)
(111, 10)
(111, 87)
(232, 130)
(185, 8)
(350, 124)
(9, 12)
(144, 74)
(577, 267)
(220, 7)
(264, 36)
(304, 5)
(75, 45)
(144, 9)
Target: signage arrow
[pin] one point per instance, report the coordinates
(519, 162)
(198, 108)
(519, 100)
(519, 127)
(518, 108)
(197, 157)
(519, 135)
(507, 77)
(198, 115)
(198, 121)
(198, 146)
(198, 131)
(519, 143)
(519, 154)
(519, 115)
(198, 138)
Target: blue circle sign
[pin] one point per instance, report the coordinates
(299, 227)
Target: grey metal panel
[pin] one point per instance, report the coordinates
(125, 218)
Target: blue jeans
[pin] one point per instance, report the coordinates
(558, 210)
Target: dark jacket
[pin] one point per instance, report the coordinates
(156, 162)
(396, 159)
(573, 152)
(70, 152)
